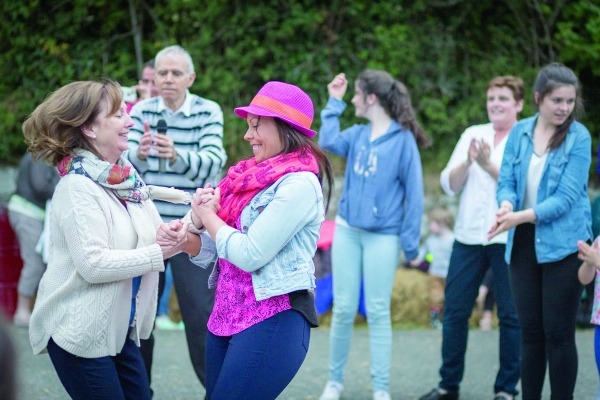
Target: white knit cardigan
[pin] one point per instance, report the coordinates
(97, 247)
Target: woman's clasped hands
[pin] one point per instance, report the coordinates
(504, 220)
(206, 201)
(171, 237)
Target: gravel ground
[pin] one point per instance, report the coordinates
(415, 362)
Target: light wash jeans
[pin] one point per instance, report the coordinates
(373, 258)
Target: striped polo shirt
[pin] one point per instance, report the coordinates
(197, 131)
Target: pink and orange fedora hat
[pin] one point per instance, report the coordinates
(284, 101)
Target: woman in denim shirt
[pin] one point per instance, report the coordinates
(542, 192)
(263, 222)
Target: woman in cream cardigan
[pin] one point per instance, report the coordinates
(99, 293)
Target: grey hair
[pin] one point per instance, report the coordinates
(176, 49)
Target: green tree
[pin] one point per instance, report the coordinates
(445, 51)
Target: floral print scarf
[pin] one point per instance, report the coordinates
(122, 178)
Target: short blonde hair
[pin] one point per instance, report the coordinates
(442, 217)
(54, 129)
(514, 83)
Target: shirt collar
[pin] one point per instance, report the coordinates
(530, 125)
(185, 108)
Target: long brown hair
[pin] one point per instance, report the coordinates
(293, 140)
(550, 77)
(395, 100)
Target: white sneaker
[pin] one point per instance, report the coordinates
(381, 395)
(163, 322)
(333, 391)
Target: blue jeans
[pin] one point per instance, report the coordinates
(117, 377)
(597, 347)
(468, 265)
(372, 258)
(195, 303)
(258, 362)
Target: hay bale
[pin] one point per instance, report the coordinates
(410, 298)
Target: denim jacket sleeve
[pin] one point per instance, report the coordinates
(507, 184)
(567, 172)
(208, 251)
(292, 203)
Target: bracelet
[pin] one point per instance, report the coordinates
(510, 208)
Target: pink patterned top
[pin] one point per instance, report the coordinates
(236, 307)
(596, 307)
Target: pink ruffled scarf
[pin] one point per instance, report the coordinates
(247, 178)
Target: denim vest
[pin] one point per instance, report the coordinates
(277, 240)
(563, 212)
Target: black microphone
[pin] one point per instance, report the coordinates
(161, 128)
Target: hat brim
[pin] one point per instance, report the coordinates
(243, 112)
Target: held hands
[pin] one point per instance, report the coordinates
(337, 87)
(206, 201)
(171, 237)
(152, 143)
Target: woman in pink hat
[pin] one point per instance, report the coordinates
(261, 225)
(379, 213)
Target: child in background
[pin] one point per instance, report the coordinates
(590, 255)
(486, 300)
(437, 248)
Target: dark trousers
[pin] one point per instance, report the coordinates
(468, 265)
(117, 378)
(547, 297)
(195, 303)
(258, 362)
(597, 347)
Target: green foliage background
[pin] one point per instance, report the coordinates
(444, 50)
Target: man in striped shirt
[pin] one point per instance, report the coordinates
(192, 154)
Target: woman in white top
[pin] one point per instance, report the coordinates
(98, 296)
(472, 172)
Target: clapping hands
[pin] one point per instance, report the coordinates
(479, 151)
(589, 254)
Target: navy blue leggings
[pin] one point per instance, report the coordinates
(597, 346)
(547, 297)
(259, 362)
(117, 378)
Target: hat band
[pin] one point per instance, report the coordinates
(282, 109)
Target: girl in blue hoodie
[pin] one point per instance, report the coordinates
(379, 211)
